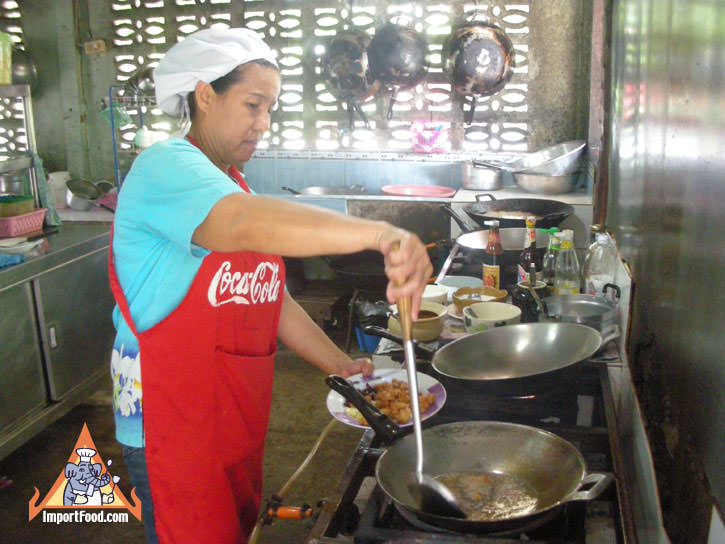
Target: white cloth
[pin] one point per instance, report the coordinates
(205, 56)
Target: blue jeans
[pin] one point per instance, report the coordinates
(136, 463)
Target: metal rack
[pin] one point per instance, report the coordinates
(23, 162)
(138, 105)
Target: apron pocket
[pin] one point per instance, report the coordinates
(243, 399)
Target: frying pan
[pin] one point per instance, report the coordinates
(512, 212)
(345, 67)
(550, 469)
(514, 360)
(364, 271)
(397, 58)
(474, 243)
(479, 61)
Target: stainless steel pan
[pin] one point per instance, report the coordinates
(550, 470)
(514, 360)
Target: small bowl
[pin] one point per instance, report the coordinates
(482, 316)
(453, 283)
(465, 296)
(435, 293)
(426, 329)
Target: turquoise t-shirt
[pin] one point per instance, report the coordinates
(166, 195)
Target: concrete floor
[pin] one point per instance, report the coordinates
(298, 417)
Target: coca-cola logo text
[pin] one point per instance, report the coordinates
(256, 287)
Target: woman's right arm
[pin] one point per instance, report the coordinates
(241, 221)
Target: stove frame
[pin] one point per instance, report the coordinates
(341, 521)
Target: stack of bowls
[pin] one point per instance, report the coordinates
(553, 170)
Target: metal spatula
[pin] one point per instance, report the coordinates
(433, 497)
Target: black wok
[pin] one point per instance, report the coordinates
(547, 467)
(479, 61)
(345, 69)
(474, 243)
(512, 212)
(511, 361)
(363, 271)
(397, 58)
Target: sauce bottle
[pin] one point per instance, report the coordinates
(548, 262)
(567, 279)
(528, 255)
(493, 259)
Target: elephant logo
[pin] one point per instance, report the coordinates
(85, 480)
(84, 485)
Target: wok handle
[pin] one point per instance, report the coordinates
(291, 190)
(465, 227)
(468, 120)
(614, 287)
(383, 426)
(600, 480)
(481, 196)
(382, 332)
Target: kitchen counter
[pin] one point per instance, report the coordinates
(73, 241)
(56, 330)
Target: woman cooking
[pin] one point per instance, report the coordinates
(198, 277)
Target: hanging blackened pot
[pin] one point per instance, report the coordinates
(345, 67)
(397, 56)
(479, 60)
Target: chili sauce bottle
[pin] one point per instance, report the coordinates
(493, 258)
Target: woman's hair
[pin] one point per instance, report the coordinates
(223, 83)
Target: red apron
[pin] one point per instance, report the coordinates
(206, 374)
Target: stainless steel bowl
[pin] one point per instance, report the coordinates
(480, 178)
(557, 160)
(81, 194)
(544, 184)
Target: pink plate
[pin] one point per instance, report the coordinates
(418, 190)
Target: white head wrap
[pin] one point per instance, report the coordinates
(205, 56)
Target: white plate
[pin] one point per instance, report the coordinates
(454, 313)
(426, 384)
(22, 247)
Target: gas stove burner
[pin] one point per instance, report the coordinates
(580, 411)
(520, 533)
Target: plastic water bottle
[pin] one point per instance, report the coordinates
(567, 278)
(600, 264)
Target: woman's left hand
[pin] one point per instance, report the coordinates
(362, 366)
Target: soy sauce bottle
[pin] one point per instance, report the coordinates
(493, 258)
(529, 255)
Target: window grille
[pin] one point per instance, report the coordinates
(13, 136)
(309, 117)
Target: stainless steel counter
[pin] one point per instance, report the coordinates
(73, 241)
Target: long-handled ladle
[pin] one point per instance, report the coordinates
(432, 496)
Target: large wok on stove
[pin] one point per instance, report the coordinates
(514, 360)
(533, 473)
(512, 212)
(521, 475)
